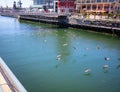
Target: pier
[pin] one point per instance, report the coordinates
(54, 18)
(99, 25)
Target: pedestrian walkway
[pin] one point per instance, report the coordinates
(92, 17)
(4, 87)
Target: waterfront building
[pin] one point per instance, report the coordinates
(39, 3)
(117, 6)
(64, 6)
(98, 6)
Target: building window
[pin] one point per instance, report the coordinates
(104, 0)
(62, 10)
(94, 7)
(38, 2)
(88, 7)
(78, 1)
(99, 8)
(98, 0)
(83, 1)
(106, 7)
(88, 1)
(111, 0)
(93, 1)
(70, 10)
(83, 6)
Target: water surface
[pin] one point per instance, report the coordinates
(31, 49)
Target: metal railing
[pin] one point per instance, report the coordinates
(11, 80)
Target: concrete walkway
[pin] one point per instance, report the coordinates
(92, 17)
(4, 87)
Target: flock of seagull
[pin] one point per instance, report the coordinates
(88, 70)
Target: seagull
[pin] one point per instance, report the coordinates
(105, 66)
(58, 58)
(65, 30)
(97, 47)
(87, 71)
(65, 44)
(106, 58)
(74, 47)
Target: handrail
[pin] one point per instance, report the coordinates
(10, 78)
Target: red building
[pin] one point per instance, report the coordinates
(64, 6)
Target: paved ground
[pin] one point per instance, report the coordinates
(91, 17)
(4, 87)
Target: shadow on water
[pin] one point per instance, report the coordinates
(39, 24)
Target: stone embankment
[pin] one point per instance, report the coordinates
(54, 18)
(100, 25)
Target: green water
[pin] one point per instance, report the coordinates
(30, 50)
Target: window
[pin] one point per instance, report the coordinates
(111, 0)
(106, 7)
(104, 0)
(88, 7)
(70, 10)
(98, 0)
(93, 1)
(94, 7)
(88, 1)
(83, 6)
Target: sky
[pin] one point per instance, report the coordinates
(9, 3)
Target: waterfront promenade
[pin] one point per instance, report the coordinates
(100, 24)
(4, 87)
